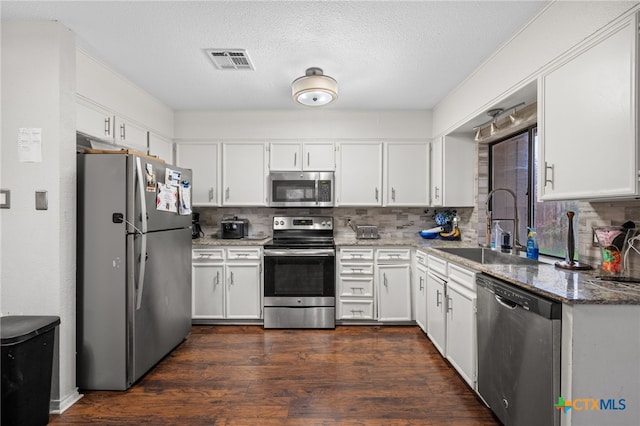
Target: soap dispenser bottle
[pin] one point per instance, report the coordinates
(496, 236)
(532, 244)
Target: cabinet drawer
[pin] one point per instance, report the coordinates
(421, 257)
(356, 286)
(238, 253)
(462, 276)
(355, 268)
(207, 255)
(393, 254)
(356, 254)
(437, 264)
(356, 309)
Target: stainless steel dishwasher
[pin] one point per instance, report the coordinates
(518, 353)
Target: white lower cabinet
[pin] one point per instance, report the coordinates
(374, 284)
(208, 294)
(462, 347)
(243, 290)
(436, 320)
(420, 290)
(227, 283)
(451, 315)
(355, 287)
(394, 292)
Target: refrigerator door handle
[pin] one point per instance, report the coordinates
(143, 200)
(143, 264)
(143, 235)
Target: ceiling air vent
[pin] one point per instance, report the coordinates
(230, 59)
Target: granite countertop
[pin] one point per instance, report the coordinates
(569, 287)
(214, 240)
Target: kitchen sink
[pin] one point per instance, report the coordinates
(489, 257)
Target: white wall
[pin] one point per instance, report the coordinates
(305, 123)
(102, 85)
(39, 247)
(556, 29)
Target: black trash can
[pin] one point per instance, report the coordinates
(27, 364)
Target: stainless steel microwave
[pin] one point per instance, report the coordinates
(301, 189)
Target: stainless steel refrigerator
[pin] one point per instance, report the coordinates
(134, 268)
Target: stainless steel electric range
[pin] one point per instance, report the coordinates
(299, 273)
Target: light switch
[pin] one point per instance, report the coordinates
(5, 198)
(41, 200)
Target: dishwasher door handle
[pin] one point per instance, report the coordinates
(506, 303)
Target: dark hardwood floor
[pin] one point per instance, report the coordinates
(245, 375)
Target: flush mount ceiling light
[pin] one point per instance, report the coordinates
(314, 88)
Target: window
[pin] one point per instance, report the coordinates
(513, 165)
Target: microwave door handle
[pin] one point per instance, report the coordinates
(317, 192)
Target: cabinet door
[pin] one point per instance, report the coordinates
(208, 291)
(359, 174)
(243, 286)
(161, 147)
(436, 161)
(131, 135)
(588, 122)
(452, 171)
(244, 174)
(319, 156)
(94, 121)
(394, 295)
(285, 156)
(407, 167)
(420, 301)
(202, 159)
(436, 311)
(461, 331)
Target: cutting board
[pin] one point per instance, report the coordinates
(122, 151)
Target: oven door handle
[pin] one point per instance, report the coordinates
(292, 253)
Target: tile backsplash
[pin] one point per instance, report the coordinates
(391, 221)
(402, 222)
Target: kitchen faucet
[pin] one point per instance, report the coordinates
(516, 241)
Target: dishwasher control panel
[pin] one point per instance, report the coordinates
(525, 299)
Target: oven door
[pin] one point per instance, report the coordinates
(299, 273)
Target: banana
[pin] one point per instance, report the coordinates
(453, 235)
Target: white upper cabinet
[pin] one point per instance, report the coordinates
(103, 124)
(407, 174)
(588, 120)
(161, 147)
(203, 160)
(94, 121)
(244, 174)
(452, 171)
(359, 174)
(296, 156)
(319, 156)
(285, 156)
(130, 134)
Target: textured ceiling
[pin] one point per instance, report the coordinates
(384, 55)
